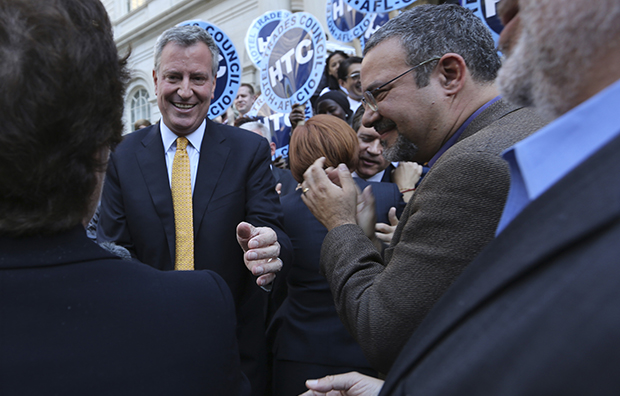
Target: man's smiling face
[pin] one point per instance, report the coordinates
(184, 85)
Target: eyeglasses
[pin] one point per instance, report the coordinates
(369, 101)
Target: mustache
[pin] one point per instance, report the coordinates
(383, 125)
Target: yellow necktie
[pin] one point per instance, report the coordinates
(182, 201)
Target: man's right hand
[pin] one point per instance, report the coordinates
(331, 204)
(349, 384)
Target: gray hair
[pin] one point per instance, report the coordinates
(258, 126)
(187, 36)
(428, 31)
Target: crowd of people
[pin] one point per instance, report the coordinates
(444, 224)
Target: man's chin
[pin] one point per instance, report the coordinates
(401, 150)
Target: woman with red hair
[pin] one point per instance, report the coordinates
(309, 340)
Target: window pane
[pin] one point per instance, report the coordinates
(140, 106)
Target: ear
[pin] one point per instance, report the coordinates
(155, 81)
(213, 88)
(272, 145)
(452, 72)
(341, 82)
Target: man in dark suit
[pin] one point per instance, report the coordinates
(75, 319)
(537, 312)
(223, 184)
(285, 184)
(430, 93)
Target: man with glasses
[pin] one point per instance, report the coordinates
(349, 80)
(428, 77)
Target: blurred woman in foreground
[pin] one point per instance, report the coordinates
(309, 340)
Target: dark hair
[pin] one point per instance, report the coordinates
(248, 86)
(332, 82)
(343, 69)
(244, 120)
(141, 123)
(322, 136)
(341, 100)
(427, 31)
(62, 104)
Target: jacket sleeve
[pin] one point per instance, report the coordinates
(112, 225)
(450, 218)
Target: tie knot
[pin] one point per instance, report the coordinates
(182, 143)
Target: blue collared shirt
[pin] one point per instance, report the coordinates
(460, 131)
(542, 159)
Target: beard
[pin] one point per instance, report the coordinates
(401, 150)
(546, 65)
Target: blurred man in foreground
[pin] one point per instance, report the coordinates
(75, 319)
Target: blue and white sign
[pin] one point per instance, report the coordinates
(376, 21)
(345, 23)
(293, 62)
(278, 123)
(487, 11)
(378, 6)
(229, 71)
(259, 33)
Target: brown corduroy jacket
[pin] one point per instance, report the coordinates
(450, 218)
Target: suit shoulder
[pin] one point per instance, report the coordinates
(504, 132)
(203, 284)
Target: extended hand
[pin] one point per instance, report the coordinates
(349, 384)
(330, 204)
(385, 232)
(406, 176)
(261, 250)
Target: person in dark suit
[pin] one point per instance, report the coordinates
(309, 339)
(75, 319)
(537, 312)
(223, 185)
(372, 166)
(285, 184)
(430, 93)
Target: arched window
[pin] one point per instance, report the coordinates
(133, 4)
(140, 106)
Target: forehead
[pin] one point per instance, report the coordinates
(243, 90)
(336, 58)
(368, 132)
(195, 58)
(326, 103)
(353, 67)
(384, 62)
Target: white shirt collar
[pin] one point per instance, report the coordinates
(169, 138)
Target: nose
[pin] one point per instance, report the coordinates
(185, 89)
(370, 117)
(375, 147)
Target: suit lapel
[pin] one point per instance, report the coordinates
(152, 162)
(556, 220)
(213, 155)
